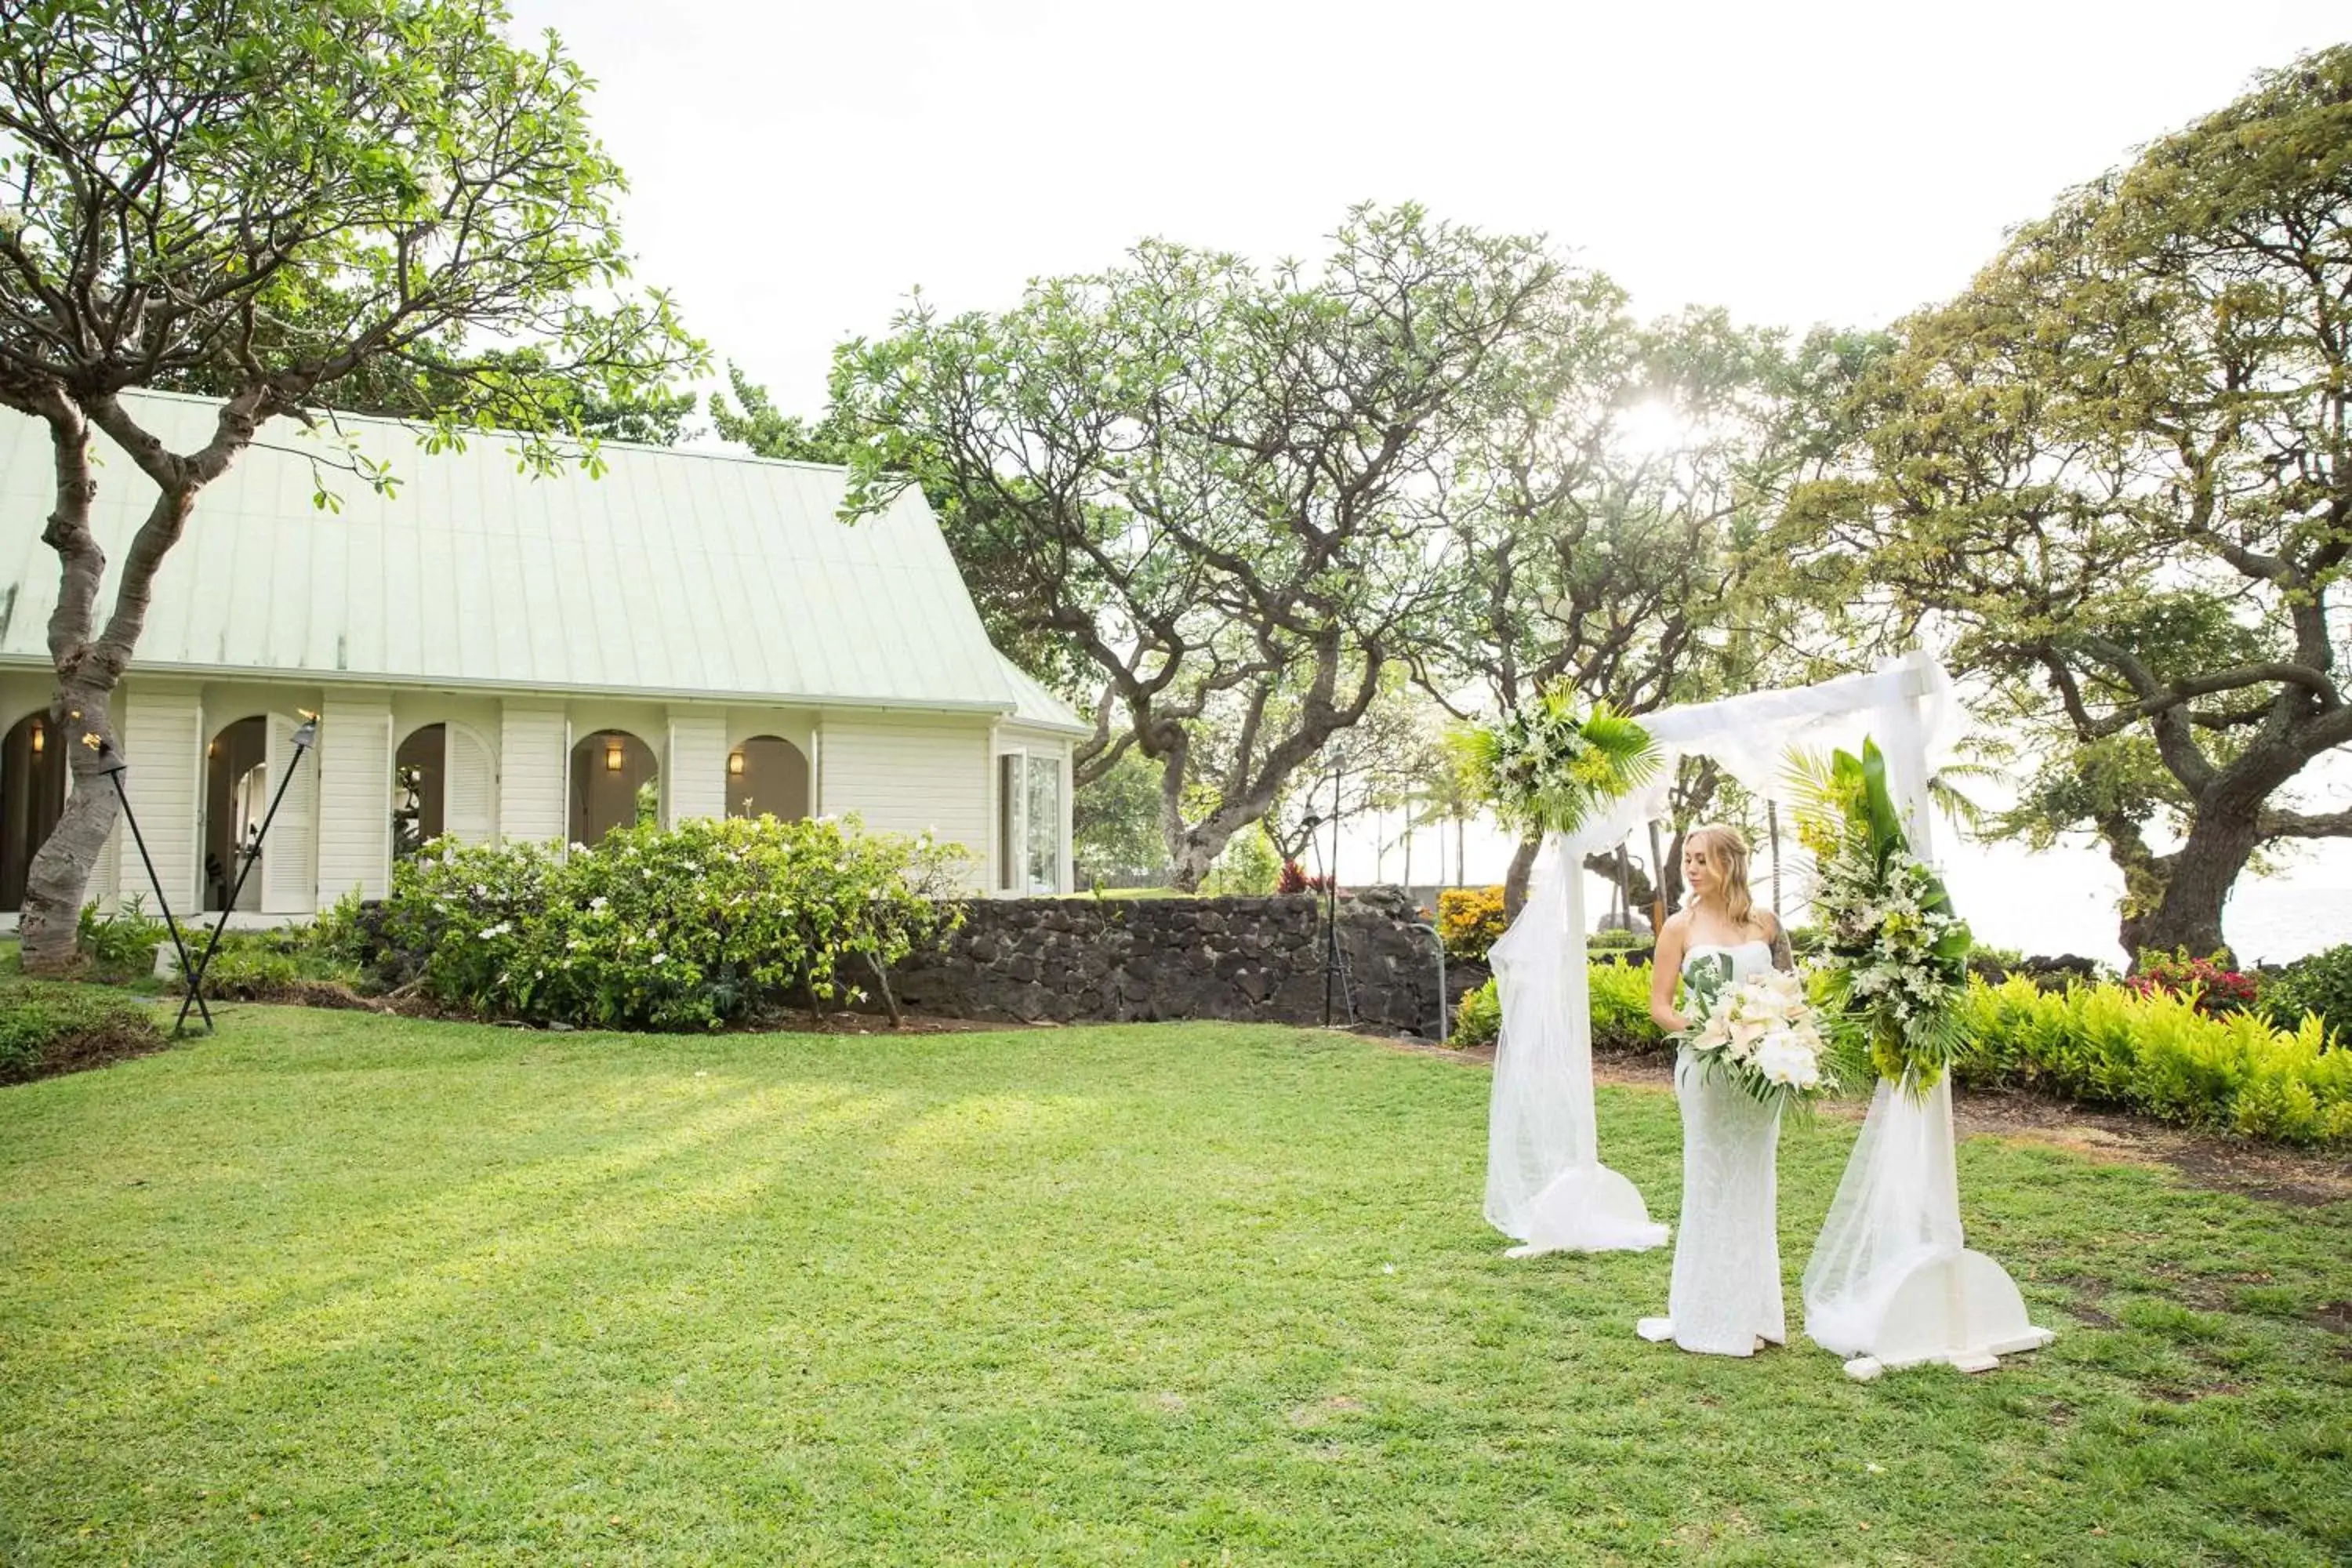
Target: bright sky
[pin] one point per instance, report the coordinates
(798, 168)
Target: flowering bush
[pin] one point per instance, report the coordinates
(1762, 1033)
(1478, 1018)
(1893, 953)
(686, 928)
(2210, 985)
(1468, 922)
(1543, 770)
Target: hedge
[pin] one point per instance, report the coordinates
(52, 1028)
(2095, 1044)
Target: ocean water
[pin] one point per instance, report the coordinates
(2049, 902)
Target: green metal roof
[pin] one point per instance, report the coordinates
(684, 573)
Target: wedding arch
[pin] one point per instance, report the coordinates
(1892, 1282)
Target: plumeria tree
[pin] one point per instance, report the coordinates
(279, 206)
(1218, 484)
(2117, 472)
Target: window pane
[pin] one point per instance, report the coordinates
(1044, 825)
(1009, 848)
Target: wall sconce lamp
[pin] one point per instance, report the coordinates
(734, 759)
(612, 756)
(40, 737)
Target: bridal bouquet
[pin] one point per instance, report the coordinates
(1543, 770)
(1763, 1031)
(1895, 952)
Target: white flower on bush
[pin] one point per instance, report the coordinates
(500, 930)
(661, 958)
(598, 902)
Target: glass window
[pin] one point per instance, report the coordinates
(1045, 835)
(1009, 802)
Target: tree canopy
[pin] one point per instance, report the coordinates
(1220, 485)
(2117, 472)
(275, 203)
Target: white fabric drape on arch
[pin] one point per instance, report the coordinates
(1545, 1182)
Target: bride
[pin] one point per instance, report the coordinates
(1726, 1296)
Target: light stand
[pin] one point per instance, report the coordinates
(112, 766)
(304, 739)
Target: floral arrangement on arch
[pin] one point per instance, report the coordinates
(1763, 1033)
(1895, 953)
(1542, 769)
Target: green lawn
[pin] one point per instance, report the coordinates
(335, 1288)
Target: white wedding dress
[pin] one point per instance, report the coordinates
(1726, 1294)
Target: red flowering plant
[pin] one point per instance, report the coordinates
(1295, 880)
(2212, 986)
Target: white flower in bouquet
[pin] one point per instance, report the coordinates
(1791, 1059)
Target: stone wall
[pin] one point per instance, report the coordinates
(1252, 958)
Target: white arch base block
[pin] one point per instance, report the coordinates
(1956, 1308)
(1589, 1208)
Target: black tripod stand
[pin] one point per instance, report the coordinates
(248, 857)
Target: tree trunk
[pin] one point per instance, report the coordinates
(1515, 881)
(2197, 878)
(59, 877)
(1639, 890)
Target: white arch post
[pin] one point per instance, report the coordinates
(1892, 1282)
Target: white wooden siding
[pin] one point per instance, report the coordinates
(694, 772)
(534, 750)
(164, 742)
(289, 853)
(905, 776)
(468, 786)
(354, 799)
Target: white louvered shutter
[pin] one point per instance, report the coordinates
(289, 855)
(469, 784)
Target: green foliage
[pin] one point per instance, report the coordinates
(2318, 986)
(1621, 1007)
(2156, 1053)
(1542, 769)
(1470, 921)
(1229, 477)
(1620, 1011)
(1115, 821)
(122, 946)
(1894, 957)
(1477, 1018)
(687, 928)
(47, 1027)
(2111, 473)
(1250, 866)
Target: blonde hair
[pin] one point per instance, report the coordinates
(1726, 850)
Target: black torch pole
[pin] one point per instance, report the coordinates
(171, 921)
(303, 738)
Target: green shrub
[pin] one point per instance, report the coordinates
(687, 928)
(2156, 1053)
(2318, 986)
(1478, 1018)
(1620, 1008)
(1616, 941)
(122, 946)
(46, 1028)
(1469, 919)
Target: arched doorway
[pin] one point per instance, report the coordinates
(236, 798)
(32, 796)
(418, 795)
(614, 776)
(767, 775)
